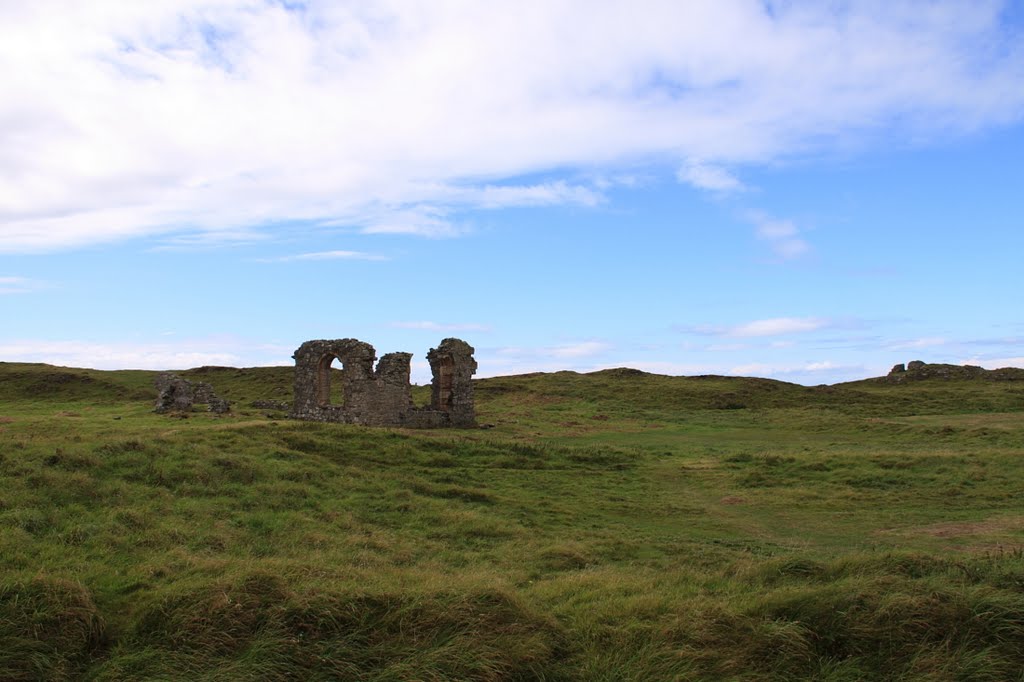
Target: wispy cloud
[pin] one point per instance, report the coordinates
(805, 369)
(181, 355)
(782, 236)
(995, 363)
(775, 326)
(560, 352)
(925, 342)
(727, 347)
(579, 350)
(213, 239)
(778, 326)
(397, 117)
(709, 177)
(326, 255)
(546, 194)
(20, 285)
(441, 327)
(423, 221)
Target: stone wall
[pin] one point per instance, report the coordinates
(382, 396)
(178, 395)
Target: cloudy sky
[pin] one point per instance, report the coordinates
(805, 190)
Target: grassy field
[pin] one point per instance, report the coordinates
(608, 526)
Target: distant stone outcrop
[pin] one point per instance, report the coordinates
(917, 370)
(178, 395)
(382, 396)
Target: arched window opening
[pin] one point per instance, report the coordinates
(330, 382)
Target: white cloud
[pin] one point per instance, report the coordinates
(579, 350)
(709, 177)
(192, 241)
(493, 196)
(191, 118)
(765, 369)
(181, 354)
(775, 326)
(421, 221)
(326, 255)
(439, 327)
(113, 356)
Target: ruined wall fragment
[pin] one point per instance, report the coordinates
(174, 393)
(453, 367)
(178, 395)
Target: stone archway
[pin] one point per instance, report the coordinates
(313, 378)
(325, 380)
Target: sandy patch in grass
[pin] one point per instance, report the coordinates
(961, 529)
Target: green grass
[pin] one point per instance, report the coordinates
(610, 526)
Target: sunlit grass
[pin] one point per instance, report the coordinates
(611, 526)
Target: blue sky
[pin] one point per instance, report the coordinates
(800, 190)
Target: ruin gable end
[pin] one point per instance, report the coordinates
(382, 395)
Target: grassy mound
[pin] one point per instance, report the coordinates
(255, 627)
(49, 629)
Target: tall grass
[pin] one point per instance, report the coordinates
(615, 526)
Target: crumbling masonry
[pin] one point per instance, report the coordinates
(383, 396)
(178, 395)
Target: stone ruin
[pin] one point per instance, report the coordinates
(917, 370)
(911, 366)
(382, 396)
(178, 395)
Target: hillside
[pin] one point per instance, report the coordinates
(608, 526)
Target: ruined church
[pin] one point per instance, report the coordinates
(382, 395)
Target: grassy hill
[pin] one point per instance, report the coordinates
(609, 526)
